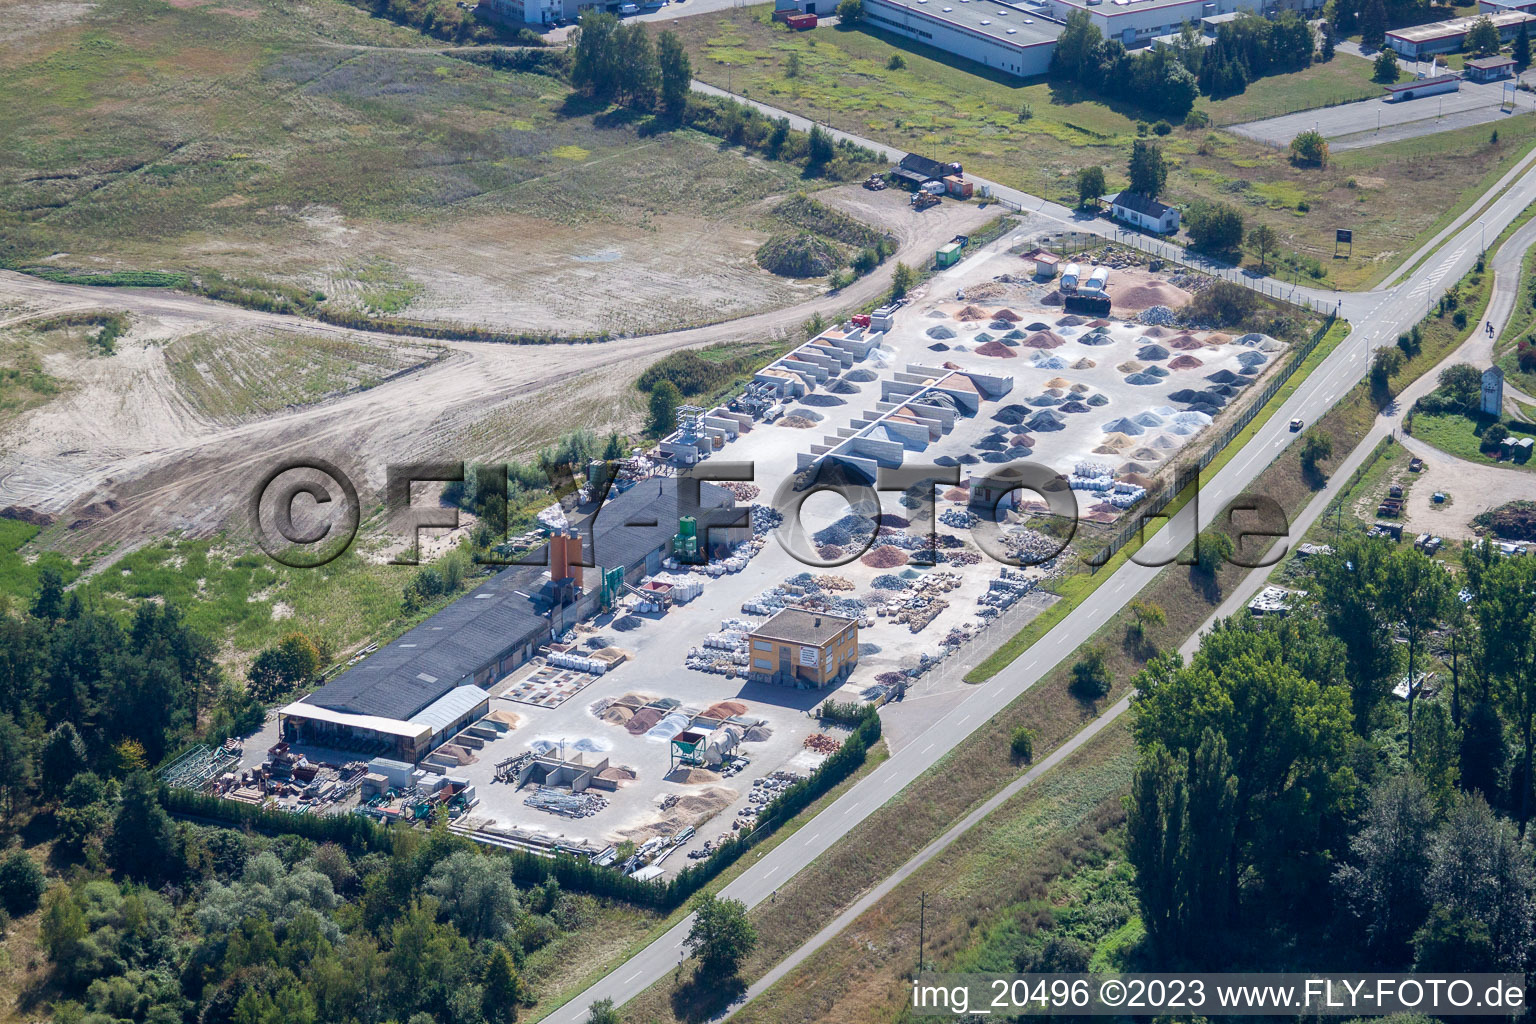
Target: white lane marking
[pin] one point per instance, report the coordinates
(926, 749)
(632, 977)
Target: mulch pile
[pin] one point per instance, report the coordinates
(996, 350)
(1045, 339)
(1184, 362)
(972, 313)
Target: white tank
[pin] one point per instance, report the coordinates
(1070, 276)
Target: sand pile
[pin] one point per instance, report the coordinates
(757, 734)
(618, 715)
(1022, 440)
(1152, 293)
(972, 313)
(1045, 339)
(1130, 366)
(1098, 400)
(861, 376)
(1133, 467)
(885, 557)
(510, 719)
(796, 422)
(642, 721)
(617, 775)
(1096, 338)
(1184, 362)
(1151, 352)
(957, 494)
(1218, 338)
(1045, 362)
(1143, 379)
(1124, 425)
(1070, 320)
(1185, 342)
(1073, 407)
(1164, 441)
(942, 332)
(1080, 389)
(1051, 298)
(1138, 480)
(1098, 323)
(726, 709)
(938, 346)
(950, 365)
(1146, 455)
(1057, 382)
(1008, 315)
(1084, 364)
(1156, 332)
(1044, 421)
(1116, 442)
(997, 350)
(690, 776)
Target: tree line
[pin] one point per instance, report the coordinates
(1306, 789)
(1167, 79)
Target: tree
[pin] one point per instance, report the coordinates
(721, 936)
(1482, 37)
(1385, 70)
(1270, 694)
(1418, 592)
(1310, 147)
(1483, 751)
(62, 757)
(1090, 186)
(1385, 363)
(1461, 385)
(819, 147)
(48, 604)
(1316, 446)
(850, 12)
(1076, 47)
(502, 989)
(1144, 614)
(21, 884)
(143, 841)
(294, 660)
(1214, 227)
(15, 763)
(1494, 436)
(602, 1011)
(594, 56)
(476, 893)
(1090, 675)
(1326, 52)
(1263, 240)
(1382, 883)
(1349, 585)
(1180, 830)
(676, 73)
(1373, 29)
(902, 280)
(1147, 170)
(1212, 549)
(1481, 871)
(613, 451)
(1522, 48)
(1505, 606)
(1022, 744)
(665, 398)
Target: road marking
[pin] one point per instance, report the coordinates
(632, 977)
(813, 838)
(926, 749)
(770, 871)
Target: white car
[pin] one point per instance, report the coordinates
(1296, 424)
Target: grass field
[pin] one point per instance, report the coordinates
(1395, 196)
(1461, 436)
(312, 145)
(235, 377)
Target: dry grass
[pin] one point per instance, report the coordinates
(1395, 196)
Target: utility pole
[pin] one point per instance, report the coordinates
(922, 921)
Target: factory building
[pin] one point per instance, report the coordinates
(803, 648)
(1137, 22)
(417, 692)
(1012, 38)
(1448, 36)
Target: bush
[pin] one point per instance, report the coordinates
(1022, 744)
(1162, 128)
(1090, 676)
(896, 63)
(849, 12)
(1223, 304)
(1197, 119)
(800, 255)
(1214, 227)
(21, 884)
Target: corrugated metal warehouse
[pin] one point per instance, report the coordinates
(411, 695)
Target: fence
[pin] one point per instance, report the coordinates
(1079, 241)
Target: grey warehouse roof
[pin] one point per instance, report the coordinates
(792, 625)
(400, 680)
(1003, 21)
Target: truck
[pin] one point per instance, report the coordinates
(923, 200)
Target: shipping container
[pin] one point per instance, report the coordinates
(947, 255)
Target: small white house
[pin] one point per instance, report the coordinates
(1144, 212)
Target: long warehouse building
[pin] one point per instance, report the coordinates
(412, 695)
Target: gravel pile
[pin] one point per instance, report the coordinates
(1160, 316)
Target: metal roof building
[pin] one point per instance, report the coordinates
(402, 698)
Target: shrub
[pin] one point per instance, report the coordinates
(1162, 128)
(1022, 744)
(1196, 119)
(896, 63)
(850, 12)
(1090, 676)
(21, 884)
(799, 255)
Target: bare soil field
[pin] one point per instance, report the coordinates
(309, 145)
(161, 450)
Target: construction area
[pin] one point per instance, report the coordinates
(649, 686)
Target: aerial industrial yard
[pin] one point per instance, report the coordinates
(658, 699)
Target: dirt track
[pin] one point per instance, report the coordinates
(166, 470)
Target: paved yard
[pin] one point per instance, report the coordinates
(1373, 122)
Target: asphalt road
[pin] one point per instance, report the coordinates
(1378, 317)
